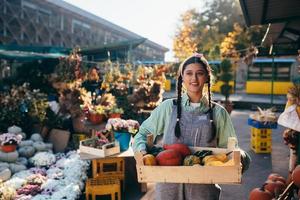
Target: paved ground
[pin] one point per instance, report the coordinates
(262, 164)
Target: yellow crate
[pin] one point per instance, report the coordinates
(261, 133)
(103, 186)
(261, 145)
(167, 85)
(113, 167)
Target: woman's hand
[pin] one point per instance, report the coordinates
(144, 152)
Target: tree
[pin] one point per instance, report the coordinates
(185, 41)
(221, 21)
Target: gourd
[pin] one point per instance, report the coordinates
(149, 159)
(296, 176)
(16, 167)
(14, 129)
(191, 160)
(183, 149)
(26, 151)
(4, 164)
(40, 146)
(9, 157)
(36, 137)
(260, 194)
(26, 143)
(5, 173)
(22, 160)
(22, 134)
(274, 187)
(49, 146)
(169, 157)
(276, 177)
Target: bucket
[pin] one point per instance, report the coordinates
(123, 138)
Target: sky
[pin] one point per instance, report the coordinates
(155, 20)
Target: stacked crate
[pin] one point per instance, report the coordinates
(108, 176)
(261, 135)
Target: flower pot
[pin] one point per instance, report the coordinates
(8, 148)
(96, 118)
(123, 138)
(115, 115)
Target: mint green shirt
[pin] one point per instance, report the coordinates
(160, 117)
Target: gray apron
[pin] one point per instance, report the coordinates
(195, 131)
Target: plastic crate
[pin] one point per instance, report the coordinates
(261, 133)
(258, 124)
(261, 145)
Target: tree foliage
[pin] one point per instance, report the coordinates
(218, 30)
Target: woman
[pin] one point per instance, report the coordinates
(192, 119)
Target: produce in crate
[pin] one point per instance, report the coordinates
(169, 157)
(149, 159)
(181, 148)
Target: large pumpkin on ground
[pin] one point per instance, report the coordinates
(260, 194)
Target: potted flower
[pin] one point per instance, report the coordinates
(115, 112)
(9, 141)
(122, 129)
(97, 114)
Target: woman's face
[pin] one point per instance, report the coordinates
(194, 78)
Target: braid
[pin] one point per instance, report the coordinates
(179, 88)
(213, 127)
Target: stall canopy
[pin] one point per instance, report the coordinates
(113, 51)
(283, 17)
(30, 53)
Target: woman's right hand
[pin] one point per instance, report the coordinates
(144, 152)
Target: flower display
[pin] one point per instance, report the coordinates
(22, 106)
(64, 179)
(10, 139)
(43, 159)
(121, 125)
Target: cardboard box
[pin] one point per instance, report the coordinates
(106, 150)
(192, 174)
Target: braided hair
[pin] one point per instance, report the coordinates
(196, 58)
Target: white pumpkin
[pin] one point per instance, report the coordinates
(36, 137)
(22, 160)
(40, 146)
(26, 151)
(26, 143)
(9, 157)
(14, 129)
(49, 146)
(16, 167)
(4, 164)
(5, 173)
(22, 134)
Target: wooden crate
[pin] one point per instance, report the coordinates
(107, 149)
(192, 174)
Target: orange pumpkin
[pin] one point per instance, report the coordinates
(296, 176)
(260, 194)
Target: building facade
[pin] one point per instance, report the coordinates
(57, 23)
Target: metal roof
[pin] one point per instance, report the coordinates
(283, 17)
(270, 11)
(79, 11)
